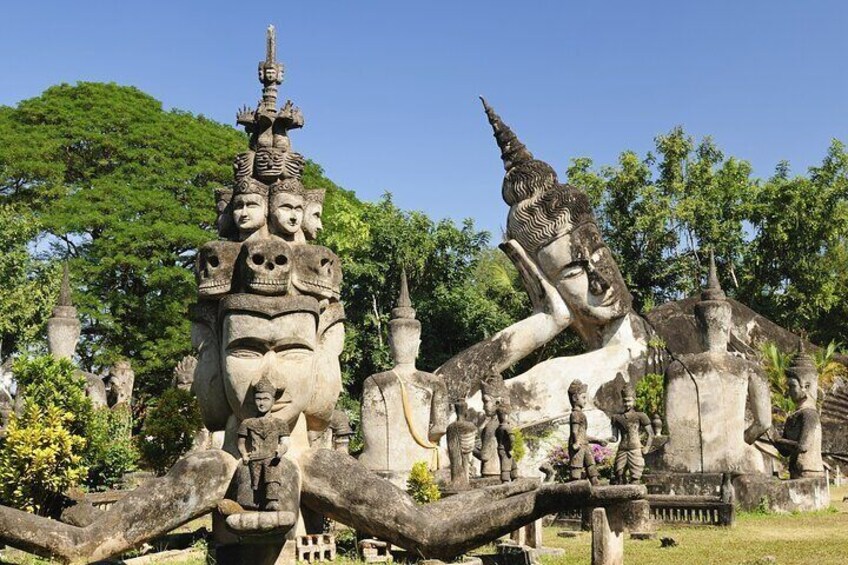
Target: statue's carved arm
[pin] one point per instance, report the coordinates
(338, 487)
(438, 413)
(759, 402)
(503, 349)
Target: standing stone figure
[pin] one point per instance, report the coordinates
(580, 457)
(404, 410)
(802, 431)
(505, 438)
(312, 224)
(462, 435)
(626, 428)
(262, 443)
(487, 450)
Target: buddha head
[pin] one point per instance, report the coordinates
(802, 378)
(577, 394)
(287, 207)
(273, 338)
(250, 208)
(555, 225)
(312, 225)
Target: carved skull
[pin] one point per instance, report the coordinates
(317, 271)
(266, 265)
(214, 268)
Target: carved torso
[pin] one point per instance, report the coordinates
(629, 425)
(804, 427)
(577, 420)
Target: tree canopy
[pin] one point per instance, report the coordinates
(103, 176)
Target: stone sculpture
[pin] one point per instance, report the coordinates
(120, 383)
(462, 435)
(280, 320)
(262, 443)
(505, 438)
(63, 333)
(486, 451)
(404, 410)
(802, 432)
(581, 460)
(626, 426)
(708, 395)
(312, 224)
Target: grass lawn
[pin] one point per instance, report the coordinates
(756, 539)
(819, 538)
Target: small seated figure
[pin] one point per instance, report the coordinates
(461, 434)
(506, 440)
(262, 443)
(802, 431)
(581, 459)
(250, 210)
(626, 427)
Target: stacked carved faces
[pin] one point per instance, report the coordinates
(268, 299)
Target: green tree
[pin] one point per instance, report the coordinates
(169, 429)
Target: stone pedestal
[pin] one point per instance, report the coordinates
(529, 535)
(271, 549)
(607, 538)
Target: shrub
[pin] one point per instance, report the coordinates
(421, 484)
(559, 460)
(169, 429)
(649, 394)
(40, 459)
(47, 381)
(519, 445)
(111, 451)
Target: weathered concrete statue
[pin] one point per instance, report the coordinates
(63, 333)
(404, 410)
(708, 394)
(581, 460)
(802, 431)
(120, 383)
(312, 224)
(626, 427)
(462, 435)
(268, 309)
(262, 443)
(486, 451)
(505, 438)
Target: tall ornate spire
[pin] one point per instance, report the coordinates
(404, 309)
(513, 151)
(713, 290)
(63, 327)
(65, 290)
(270, 72)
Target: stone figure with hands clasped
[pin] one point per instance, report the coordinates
(262, 443)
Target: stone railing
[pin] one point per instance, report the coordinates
(695, 510)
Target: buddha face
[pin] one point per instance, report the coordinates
(582, 269)
(264, 401)
(287, 213)
(281, 348)
(629, 403)
(249, 212)
(798, 391)
(312, 225)
(578, 400)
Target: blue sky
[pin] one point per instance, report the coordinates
(389, 89)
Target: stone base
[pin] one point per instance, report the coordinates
(752, 491)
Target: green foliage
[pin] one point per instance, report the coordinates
(29, 285)
(421, 484)
(775, 363)
(169, 429)
(40, 459)
(519, 445)
(111, 450)
(650, 394)
(46, 381)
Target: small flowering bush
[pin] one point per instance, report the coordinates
(559, 460)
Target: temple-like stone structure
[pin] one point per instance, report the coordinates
(404, 410)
